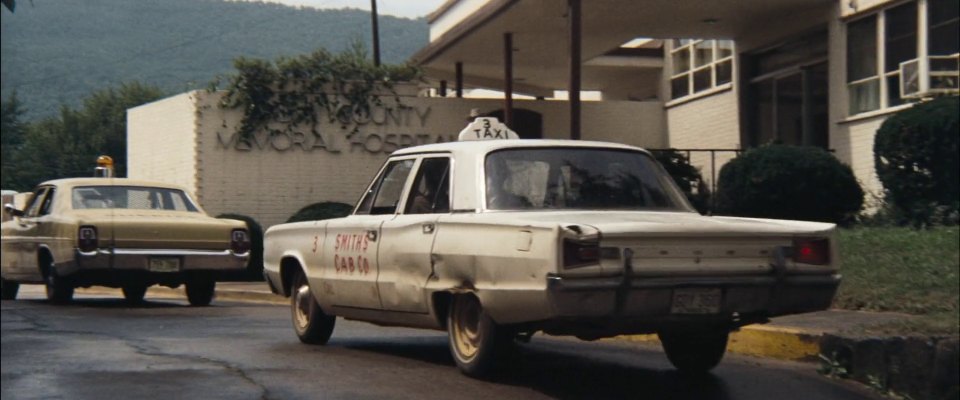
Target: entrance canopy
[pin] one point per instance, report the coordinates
(471, 32)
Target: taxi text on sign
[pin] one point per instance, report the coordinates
(487, 128)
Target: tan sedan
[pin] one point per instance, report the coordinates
(118, 233)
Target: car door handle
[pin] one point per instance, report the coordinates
(372, 236)
(428, 228)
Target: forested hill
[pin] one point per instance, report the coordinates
(59, 51)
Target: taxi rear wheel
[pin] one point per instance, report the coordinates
(310, 323)
(134, 293)
(200, 292)
(695, 352)
(476, 341)
(59, 290)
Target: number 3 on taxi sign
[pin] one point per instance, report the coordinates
(486, 128)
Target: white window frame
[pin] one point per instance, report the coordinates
(922, 34)
(690, 46)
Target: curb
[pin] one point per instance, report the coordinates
(913, 367)
(220, 294)
(904, 367)
(780, 343)
(229, 294)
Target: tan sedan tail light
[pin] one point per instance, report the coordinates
(239, 241)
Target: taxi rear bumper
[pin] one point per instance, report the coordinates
(655, 296)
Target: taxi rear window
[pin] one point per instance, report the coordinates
(579, 178)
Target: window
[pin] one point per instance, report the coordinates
(431, 188)
(862, 78)
(900, 42)
(786, 95)
(45, 206)
(384, 194)
(699, 65)
(878, 43)
(34, 204)
(578, 178)
(943, 19)
(131, 197)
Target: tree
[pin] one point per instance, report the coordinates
(916, 158)
(789, 182)
(68, 145)
(11, 135)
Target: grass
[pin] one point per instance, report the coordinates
(903, 270)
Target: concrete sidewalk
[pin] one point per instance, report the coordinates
(921, 368)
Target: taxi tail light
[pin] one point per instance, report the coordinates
(240, 241)
(87, 238)
(580, 254)
(811, 251)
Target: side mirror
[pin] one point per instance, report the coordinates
(10, 209)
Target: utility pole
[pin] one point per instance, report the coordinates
(376, 33)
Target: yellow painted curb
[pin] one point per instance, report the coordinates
(783, 344)
(762, 341)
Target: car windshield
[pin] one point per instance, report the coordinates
(131, 197)
(579, 178)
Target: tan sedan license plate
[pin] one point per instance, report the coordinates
(164, 264)
(696, 301)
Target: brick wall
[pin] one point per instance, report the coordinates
(853, 143)
(164, 146)
(710, 122)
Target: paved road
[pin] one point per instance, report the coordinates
(99, 348)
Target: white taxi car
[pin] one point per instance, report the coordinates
(493, 240)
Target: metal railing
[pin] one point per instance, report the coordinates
(701, 158)
(710, 154)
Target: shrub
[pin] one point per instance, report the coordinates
(254, 269)
(916, 157)
(687, 177)
(789, 182)
(322, 210)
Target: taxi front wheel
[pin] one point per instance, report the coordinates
(476, 341)
(310, 323)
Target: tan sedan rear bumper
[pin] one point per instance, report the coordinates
(157, 260)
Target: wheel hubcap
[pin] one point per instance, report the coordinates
(466, 328)
(301, 309)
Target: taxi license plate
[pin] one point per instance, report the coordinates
(164, 264)
(696, 301)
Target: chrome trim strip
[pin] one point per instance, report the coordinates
(162, 252)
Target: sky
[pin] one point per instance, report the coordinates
(400, 8)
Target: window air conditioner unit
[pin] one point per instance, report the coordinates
(928, 76)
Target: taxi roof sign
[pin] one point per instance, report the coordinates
(486, 128)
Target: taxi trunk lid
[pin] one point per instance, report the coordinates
(682, 244)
